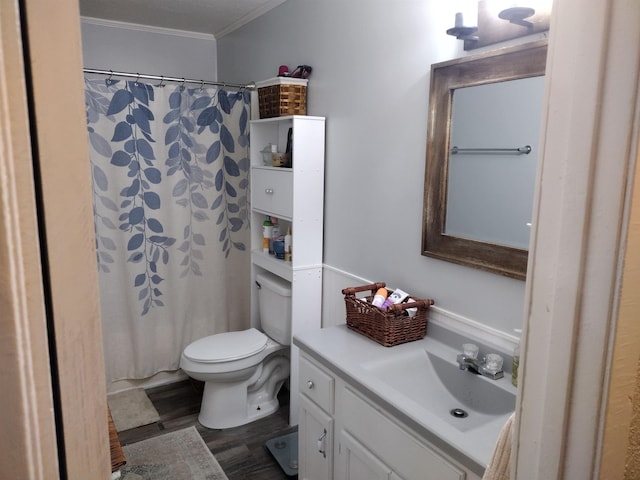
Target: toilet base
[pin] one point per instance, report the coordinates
(231, 404)
(254, 413)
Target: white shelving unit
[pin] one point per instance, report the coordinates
(295, 196)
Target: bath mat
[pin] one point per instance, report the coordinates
(179, 455)
(131, 409)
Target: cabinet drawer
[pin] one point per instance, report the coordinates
(316, 384)
(272, 191)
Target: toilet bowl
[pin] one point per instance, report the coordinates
(243, 371)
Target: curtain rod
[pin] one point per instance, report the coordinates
(162, 78)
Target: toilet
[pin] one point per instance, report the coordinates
(244, 370)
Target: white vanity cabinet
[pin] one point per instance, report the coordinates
(368, 442)
(295, 196)
(315, 428)
(398, 452)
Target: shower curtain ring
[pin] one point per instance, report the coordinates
(161, 81)
(109, 81)
(201, 85)
(137, 78)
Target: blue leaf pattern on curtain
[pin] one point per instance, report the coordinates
(168, 164)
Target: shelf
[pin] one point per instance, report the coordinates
(286, 118)
(266, 167)
(279, 216)
(272, 264)
(279, 267)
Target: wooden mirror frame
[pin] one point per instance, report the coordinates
(511, 63)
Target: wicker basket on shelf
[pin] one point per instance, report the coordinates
(280, 96)
(387, 327)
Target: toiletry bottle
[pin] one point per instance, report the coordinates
(379, 297)
(413, 311)
(275, 233)
(267, 227)
(387, 303)
(287, 245)
(516, 360)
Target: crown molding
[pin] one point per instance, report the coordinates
(146, 28)
(252, 15)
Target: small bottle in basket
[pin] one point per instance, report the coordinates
(379, 297)
(412, 312)
(397, 296)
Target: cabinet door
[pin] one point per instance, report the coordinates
(358, 463)
(315, 442)
(407, 456)
(272, 191)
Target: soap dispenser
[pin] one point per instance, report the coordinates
(516, 359)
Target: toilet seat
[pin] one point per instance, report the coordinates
(226, 347)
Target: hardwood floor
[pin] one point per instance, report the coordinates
(240, 451)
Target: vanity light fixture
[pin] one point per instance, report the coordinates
(517, 15)
(460, 31)
(495, 21)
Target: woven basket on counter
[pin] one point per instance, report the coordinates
(282, 96)
(387, 327)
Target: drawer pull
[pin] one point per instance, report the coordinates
(321, 446)
(268, 191)
(310, 385)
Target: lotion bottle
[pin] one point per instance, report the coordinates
(267, 230)
(379, 297)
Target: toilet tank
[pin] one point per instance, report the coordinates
(274, 306)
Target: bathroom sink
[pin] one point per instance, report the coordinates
(461, 398)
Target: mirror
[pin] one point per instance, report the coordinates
(456, 179)
(492, 162)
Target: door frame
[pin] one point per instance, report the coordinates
(590, 127)
(57, 411)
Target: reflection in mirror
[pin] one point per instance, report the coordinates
(491, 172)
(462, 222)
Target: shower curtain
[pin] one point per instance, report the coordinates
(170, 173)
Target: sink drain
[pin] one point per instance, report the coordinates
(458, 413)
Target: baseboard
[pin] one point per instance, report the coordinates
(157, 380)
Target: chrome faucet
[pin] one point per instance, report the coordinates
(478, 366)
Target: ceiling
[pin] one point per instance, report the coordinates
(216, 17)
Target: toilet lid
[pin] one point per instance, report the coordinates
(225, 347)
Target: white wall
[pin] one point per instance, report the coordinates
(127, 47)
(371, 61)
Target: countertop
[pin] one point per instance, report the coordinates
(343, 351)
